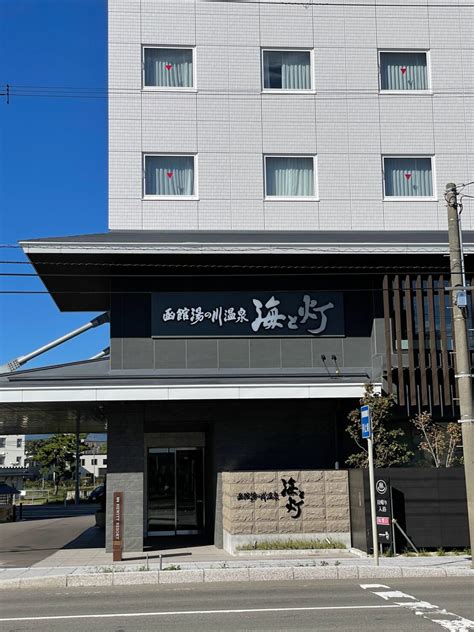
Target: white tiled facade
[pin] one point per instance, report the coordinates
(95, 464)
(12, 450)
(230, 124)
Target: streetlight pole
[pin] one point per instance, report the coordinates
(461, 347)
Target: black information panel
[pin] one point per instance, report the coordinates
(383, 510)
(247, 314)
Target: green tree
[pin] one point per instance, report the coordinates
(58, 453)
(389, 447)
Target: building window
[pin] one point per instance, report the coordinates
(104, 462)
(408, 177)
(2, 442)
(19, 443)
(286, 69)
(169, 176)
(18, 460)
(403, 71)
(289, 177)
(168, 67)
(83, 461)
(94, 462)
(2, 459)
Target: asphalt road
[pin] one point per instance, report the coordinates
(30, 541)
(343, 605)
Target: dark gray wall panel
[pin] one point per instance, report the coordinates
(357, 352)
(234, 353)
(170, 354)
(265, 353)
(296, 352)
(328, 347)
(201, 354)
(138, 353)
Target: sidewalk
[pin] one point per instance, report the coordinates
(94, 567)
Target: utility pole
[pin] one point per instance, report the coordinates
(461, 348)
(78, 461)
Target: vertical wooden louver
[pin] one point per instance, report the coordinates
(419, 363)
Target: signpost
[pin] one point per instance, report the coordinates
(117, 526)
(367, 434)
(383, 514)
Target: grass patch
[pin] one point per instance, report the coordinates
(291, 544)
(173, 567)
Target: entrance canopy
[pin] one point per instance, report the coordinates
(53, 399)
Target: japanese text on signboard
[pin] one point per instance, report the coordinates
(210, 314)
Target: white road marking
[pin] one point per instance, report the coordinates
(392, 594)
(366, 586)
(425, 609)
(183, 612)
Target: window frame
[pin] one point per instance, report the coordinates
(402, 50)
(146, 88)
(414, 198)
(264, 90)
(299, 198)
(181, 198)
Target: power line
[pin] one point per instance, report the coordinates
(316, 3)
(142, 292)
(67, 92)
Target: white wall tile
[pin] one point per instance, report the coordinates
(170, 215)
(286, 26)
(247, 215)
(214, 176)
(291, 215)
(246, 176)
(214, 215)
(230, 124)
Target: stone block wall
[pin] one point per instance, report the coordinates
(277, 505)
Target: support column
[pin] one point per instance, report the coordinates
(125, 468)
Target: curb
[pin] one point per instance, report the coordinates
(295, 553)
(282, 573)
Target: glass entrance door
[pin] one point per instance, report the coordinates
(175, 491)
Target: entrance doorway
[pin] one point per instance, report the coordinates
(175, 491)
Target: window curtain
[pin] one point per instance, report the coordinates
(287, 70)
(408, 177)
(290, 177)
(403, 71)
(168, 68)
(169, 175)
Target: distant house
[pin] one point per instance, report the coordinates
(94, 465)
(12, 450)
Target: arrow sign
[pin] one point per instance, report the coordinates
(365, 422)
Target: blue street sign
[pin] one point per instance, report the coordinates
(366, 423)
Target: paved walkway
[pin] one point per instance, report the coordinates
(70, 551)
(30, 542)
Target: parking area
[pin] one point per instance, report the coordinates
(46, 530)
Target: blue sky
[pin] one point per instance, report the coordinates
(53, 160)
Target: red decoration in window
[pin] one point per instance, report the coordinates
(403, 70)
(169, 174)
(408, 176)
(169, 66)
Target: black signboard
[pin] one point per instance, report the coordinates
(247, 314)
(383, 511)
